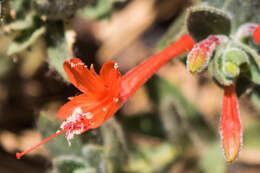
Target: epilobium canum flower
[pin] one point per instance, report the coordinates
(229, 61)
(105, 93)
(230, 125)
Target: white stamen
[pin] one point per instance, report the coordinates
(88, 115)
(77, 111)
(104, 109)
(76, 64)
(75, 124)
(115, 99)
(115, 66)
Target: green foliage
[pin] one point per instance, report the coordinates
(226, 64)
(173, 106)
(232, 59)
(59, 9)
(58, 146)
(16, 47)
(152, 159)
(110, 155)
(235, 61)
(255, 97)
(115, 144)
(203, 21)
(248, 10)
(99, 9)
(69, 164)
(251, 135)
(212, 159)
(57, 47)
(21, 24)
(35, 19)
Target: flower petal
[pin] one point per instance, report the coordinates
(84, 101)
(82, 78)
(101, 109)
(111, 75)
(230, 125)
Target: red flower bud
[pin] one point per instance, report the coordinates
(199, 56)
(256, 34)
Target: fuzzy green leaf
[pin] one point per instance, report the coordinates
(254, 61)
(95, 157)
(99, 9)
(242, 11)
(255, 97)
(114, 141)
(16, 47)
(68, 164)
(203, 21)
(234, 59)
(152, 159)
(58, 146)
(248, 11)
(254, 71)
(165, 94)
(22, 24)
(216, 69)
(59, 9)
(57, 49)
(238, 55)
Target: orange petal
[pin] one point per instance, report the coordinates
(101, 109)
(230, 125)
(111, 75)
(111, 111)
(82, 78)
(83, 101)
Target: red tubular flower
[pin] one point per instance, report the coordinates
(256, 34)
(230, 125)
(105, 93)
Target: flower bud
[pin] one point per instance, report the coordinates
(199, 56)
(256, 34)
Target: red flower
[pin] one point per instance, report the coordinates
(256, 34)
(230, 125)
(103, 94)
(99, 101)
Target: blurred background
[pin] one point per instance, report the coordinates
(169, 125)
